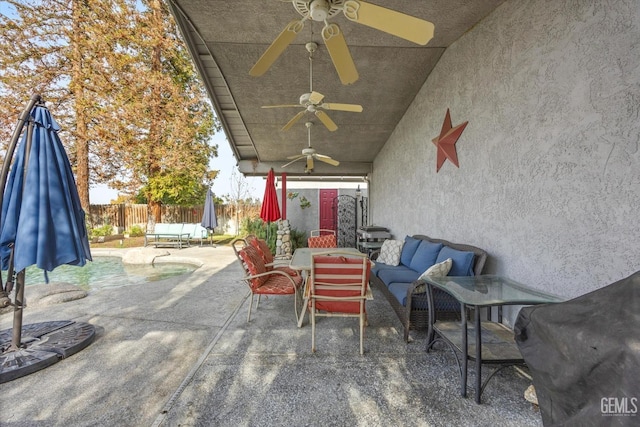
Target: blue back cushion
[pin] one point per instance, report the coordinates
(425, 256)
(409, 250)
(462, 261)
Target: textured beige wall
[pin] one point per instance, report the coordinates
(549, 177)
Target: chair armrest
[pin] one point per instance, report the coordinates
(267, 273)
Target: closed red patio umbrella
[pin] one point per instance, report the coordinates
(270, 210)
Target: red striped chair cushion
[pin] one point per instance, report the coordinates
(340, 270)
(255, 265)
(267, 256)
(269, 283)
(277, 284)
(262, 247)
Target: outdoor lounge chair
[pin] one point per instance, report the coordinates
(264, 251)
(338, 286)
(267, 282)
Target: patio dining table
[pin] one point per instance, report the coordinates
(302, 260)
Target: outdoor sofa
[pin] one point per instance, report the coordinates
(178, 234)
(407, 294)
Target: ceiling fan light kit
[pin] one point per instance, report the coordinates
(310, 153)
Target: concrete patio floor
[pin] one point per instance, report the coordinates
(179, 352)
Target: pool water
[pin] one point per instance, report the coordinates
(107, 272)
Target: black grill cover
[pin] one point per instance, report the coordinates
(584, 356)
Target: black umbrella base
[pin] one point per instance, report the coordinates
(43, 344)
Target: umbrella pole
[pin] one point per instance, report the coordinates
(16, 340)
(16, 337)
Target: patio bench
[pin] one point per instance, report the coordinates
(402, 287)
(196, 232)
(167, 235)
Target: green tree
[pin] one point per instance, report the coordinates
(124, 89)
(62, 50)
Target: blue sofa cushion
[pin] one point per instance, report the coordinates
(425, 256)
(399, 290)
(409, 250)
(462, 261)
(398, 274)
(379, 266)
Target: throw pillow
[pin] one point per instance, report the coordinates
(437, 270)
(425, 255)
(462, 261)
(409, 250)
(390, 252)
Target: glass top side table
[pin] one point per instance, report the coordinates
(498, 346)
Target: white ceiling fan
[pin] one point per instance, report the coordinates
(390, 21)
(312, 101)
(310, 153)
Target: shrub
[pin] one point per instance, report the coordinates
(136, 231)
(298, 239)
(259, 228)
(102, 231)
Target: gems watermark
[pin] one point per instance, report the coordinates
(619, 406)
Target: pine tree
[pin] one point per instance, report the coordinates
(123, 88)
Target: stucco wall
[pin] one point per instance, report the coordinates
(549, 177)
(306, 219)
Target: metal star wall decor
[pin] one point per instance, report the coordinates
(446, 142)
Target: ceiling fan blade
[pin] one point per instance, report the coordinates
(340, 55)
(316, 98)
(294, 120)
(395, 23)
(327, 159)
(297, 157)
(309, 163)
(277, 47)
(282, 106)
(326, 120)
(342, 107)
(293, 161)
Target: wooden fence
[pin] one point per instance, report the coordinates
(123, 216)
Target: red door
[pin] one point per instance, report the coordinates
(326, 209)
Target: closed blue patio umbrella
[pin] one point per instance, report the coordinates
(45, 225)
(42, 221)
(209, 219)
